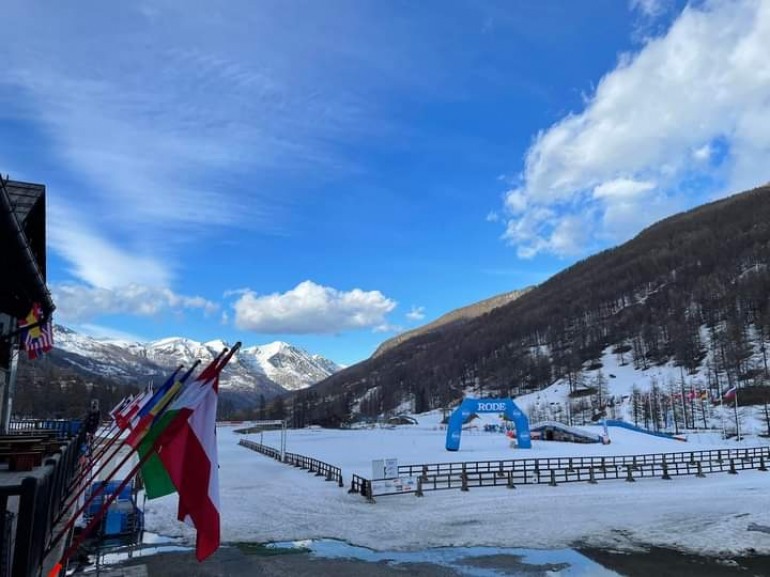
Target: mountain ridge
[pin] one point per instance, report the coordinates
(270, 370)
(462, 314)
(653, 298)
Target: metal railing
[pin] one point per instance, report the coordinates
(64, 427)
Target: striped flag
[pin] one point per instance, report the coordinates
(36, 336)
(184, 439)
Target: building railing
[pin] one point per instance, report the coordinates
(64, 427)
(40, 495)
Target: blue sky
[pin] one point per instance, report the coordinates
(332, 173)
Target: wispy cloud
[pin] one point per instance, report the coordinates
(310, 308)
(98, 261)
(650, 8)
(80, 303)
(626, 160)
(416, 313)
(101, 332)
(172, 121)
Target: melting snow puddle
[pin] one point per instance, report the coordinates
(469, 561)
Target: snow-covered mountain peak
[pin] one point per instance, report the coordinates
(266, 369)
(217, 345)
(274, 348)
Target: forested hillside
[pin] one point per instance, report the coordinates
(691, 289)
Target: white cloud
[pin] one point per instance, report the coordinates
(416, 314)
(650, 8)
(102, 332)
(388, 328)
(79, 303)
(703, 153)
(96, 260)
(622, 188)
(310, 308)
(151, 102)
(515, 201)
(167, 122)
(705, 80)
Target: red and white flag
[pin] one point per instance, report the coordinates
(189, 454)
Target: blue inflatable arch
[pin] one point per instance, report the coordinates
(471, 406)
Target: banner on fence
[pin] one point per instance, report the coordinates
(394, 486)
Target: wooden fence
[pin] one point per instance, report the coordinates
(321, 469)
(361, 486)
(512, 472)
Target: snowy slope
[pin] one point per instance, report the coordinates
(264, 500)
(622, 378)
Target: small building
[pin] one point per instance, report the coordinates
(401, 420)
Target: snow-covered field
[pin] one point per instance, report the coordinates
(263, 500)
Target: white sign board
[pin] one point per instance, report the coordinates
(384, 469)
(391, 468)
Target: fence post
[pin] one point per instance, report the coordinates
(552, 482)
(762, 463)
(700, 471)
(25, 528)
(368, 491)
(500, 472)
(510, 480)
(732, 470)
(569, 466)
(666, 476)
(340, 483)
(424, 472)
(464, 480)
(692, 458)
(418, 492)
(591, 477)
(629, 476)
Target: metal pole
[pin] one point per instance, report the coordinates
(9, 376)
